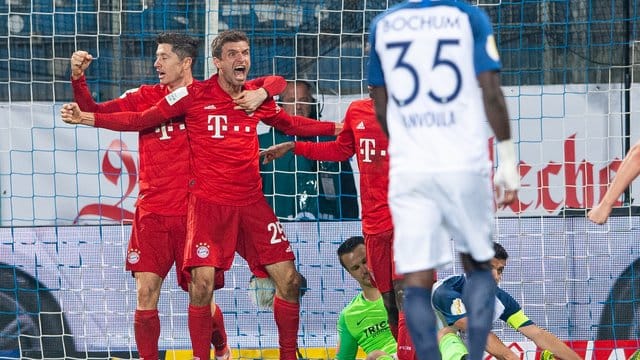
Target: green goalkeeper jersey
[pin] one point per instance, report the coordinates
(364, 323)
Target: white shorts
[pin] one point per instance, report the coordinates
(430, 209)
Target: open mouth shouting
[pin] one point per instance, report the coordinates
(240, 72)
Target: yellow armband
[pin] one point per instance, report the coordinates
(517, 319)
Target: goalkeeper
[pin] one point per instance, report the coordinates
(363, 322)
(447, 303)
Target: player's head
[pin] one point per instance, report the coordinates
(297, 99)
(353, 257)
(499, 261)
(175, 55)
(231, 56)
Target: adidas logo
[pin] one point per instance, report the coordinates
(360, 126)
(210, 107)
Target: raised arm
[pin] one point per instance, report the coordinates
(85, 101)
(629, 169)
(79, 62)
(547, 341)
(272, 84)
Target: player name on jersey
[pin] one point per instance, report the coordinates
(429, 119)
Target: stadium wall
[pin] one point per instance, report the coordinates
(570, 139)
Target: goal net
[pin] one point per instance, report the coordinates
(67, 193)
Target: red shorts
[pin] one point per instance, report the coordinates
(380, 259)
(215, 232)
(156, 243)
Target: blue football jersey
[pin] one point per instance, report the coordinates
(447, 302)
(428, 54)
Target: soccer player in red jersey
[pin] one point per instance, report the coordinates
(362, 136)
(227, 211)
(159, 227)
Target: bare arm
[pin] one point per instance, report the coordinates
(507, 178)
(495, 346)
(276, 151)
(494, 104)
(547, 341)
(380, 97)
(628, 171)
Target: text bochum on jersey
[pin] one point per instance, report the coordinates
(442, 118)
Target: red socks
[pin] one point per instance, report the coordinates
(287, 317)
(405, 347)
(200, 331)
(219, 336)
(146, 326)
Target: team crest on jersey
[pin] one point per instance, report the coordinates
(202, 250)
(133, 257)
(457, 307)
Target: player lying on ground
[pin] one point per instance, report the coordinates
(447, 302)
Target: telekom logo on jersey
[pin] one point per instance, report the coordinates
(368, 149)
(218, 124)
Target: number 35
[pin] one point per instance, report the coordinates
(438, 61)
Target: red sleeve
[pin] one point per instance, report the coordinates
(130, 121)
(172, 105)
(339, 150)
(271, 114)
(273, 84)
(82, 96)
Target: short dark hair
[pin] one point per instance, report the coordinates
(182, 45)
(226, 37)
(348, 246)
(500, 252)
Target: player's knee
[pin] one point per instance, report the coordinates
(290, 285)
(147, 296)
(201, 287)
(471, 265)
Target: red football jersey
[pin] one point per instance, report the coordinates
(163, 147)
(223, 141)
(362, 136)
(164, 157)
